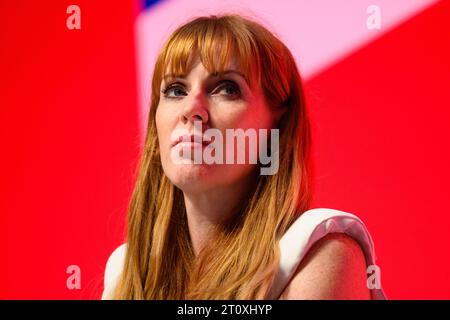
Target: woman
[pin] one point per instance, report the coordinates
(224, 230)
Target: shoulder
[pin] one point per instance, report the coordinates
(114, 266)
(314, 217)
(315, 224)
(333, 268)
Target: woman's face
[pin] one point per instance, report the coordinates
(212, 104)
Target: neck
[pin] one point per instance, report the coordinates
(207, 210)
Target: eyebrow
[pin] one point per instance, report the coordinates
(211, 75)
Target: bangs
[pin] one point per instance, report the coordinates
(218, 43)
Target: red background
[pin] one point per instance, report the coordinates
(69, 138)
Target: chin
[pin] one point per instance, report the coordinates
(197, 177)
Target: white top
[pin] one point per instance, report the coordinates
(310, 227)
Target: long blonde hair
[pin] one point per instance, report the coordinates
(242, 259)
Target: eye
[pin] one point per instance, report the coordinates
(174, 90)
(228, 89)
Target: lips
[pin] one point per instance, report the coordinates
(190, 140)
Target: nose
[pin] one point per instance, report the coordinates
(195, 110)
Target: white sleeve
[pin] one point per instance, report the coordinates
(310, 227)
(113, 269)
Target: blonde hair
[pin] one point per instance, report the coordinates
(242, 259)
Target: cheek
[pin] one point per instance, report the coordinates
(259, 117)
(158, 124)
(162, 128)
(251, 115)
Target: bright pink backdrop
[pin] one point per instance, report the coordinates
(70, 134)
